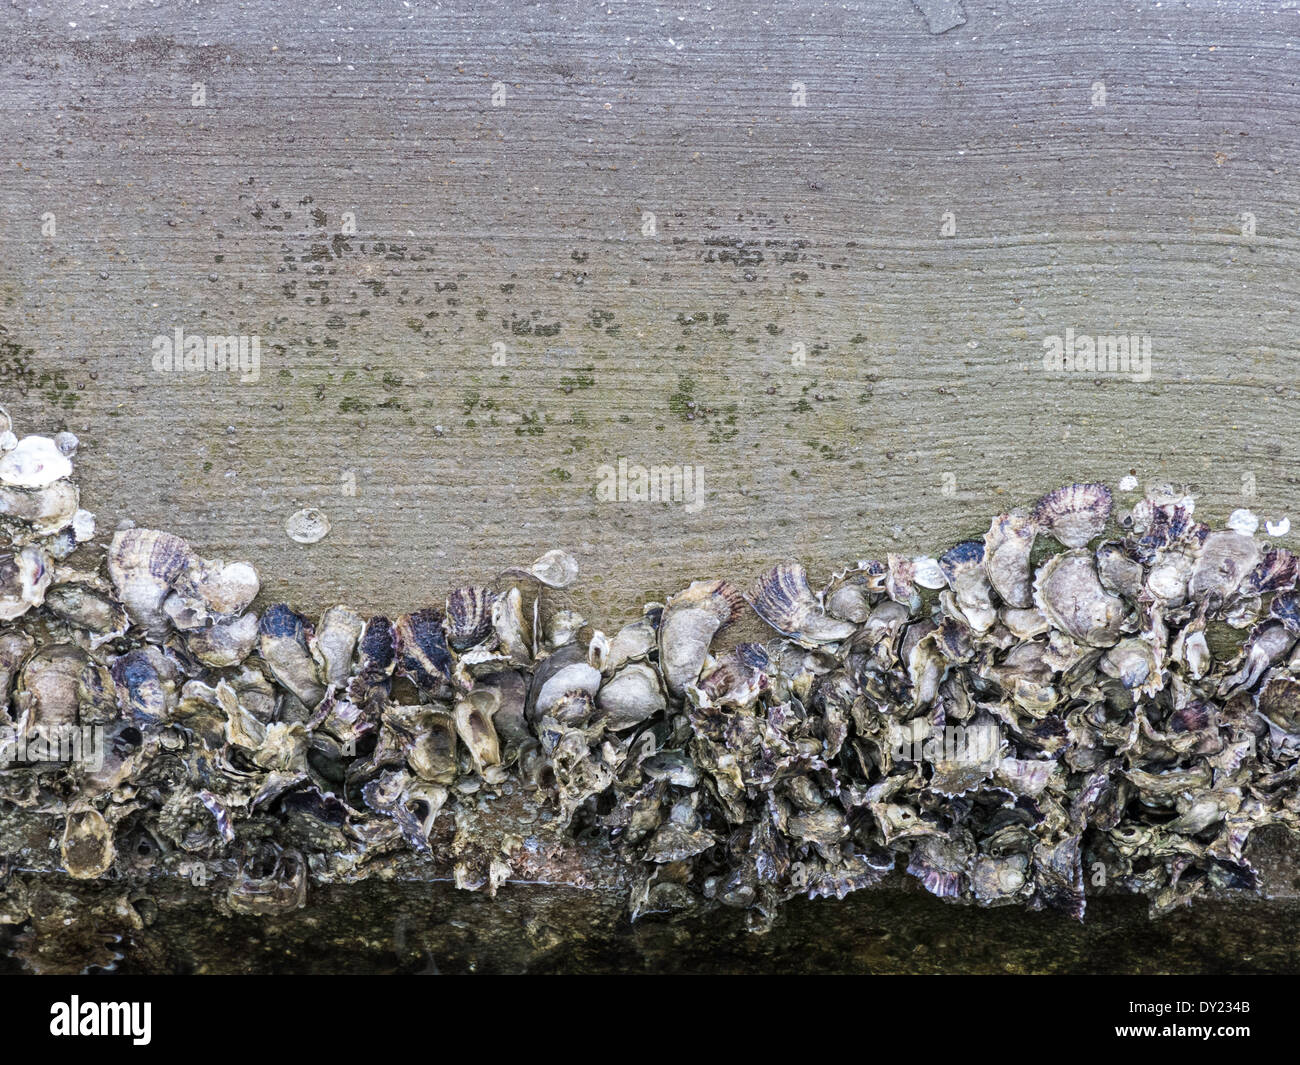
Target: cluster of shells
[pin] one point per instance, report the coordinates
(741, 775)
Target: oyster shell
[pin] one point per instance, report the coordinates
(1119, 574)
(61, 685)
(1225, 560)
(207, 592)
(690, 621)
(963, 568)
(737, 679)
(474, 713)
(555, 569)
(559, 674)
(87, 846)
(469, 616)
(84, 604)
(631, 696)
(226, 643)
(632, 643)
(146, 686)
(24, 578)
(34, 462)
(512, 630)
(142, 564)
(1075, 513)
(1278, 700)
(270, 880)
(283, 642)
(431, 746)
(1007, 546)
(14, 649)
(422, 652)
(308, 526)
(1276, 572)
(1069, 592)
(335, 643)
(782, 598)
(32, 513)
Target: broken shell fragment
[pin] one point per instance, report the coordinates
(83, 526)
(1243, 521)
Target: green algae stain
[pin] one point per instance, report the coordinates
(17, 373)
(682, 402)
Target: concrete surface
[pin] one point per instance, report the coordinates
(922, 405)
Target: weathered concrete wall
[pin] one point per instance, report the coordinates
(524, 225)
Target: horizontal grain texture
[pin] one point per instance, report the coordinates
(778, 229)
